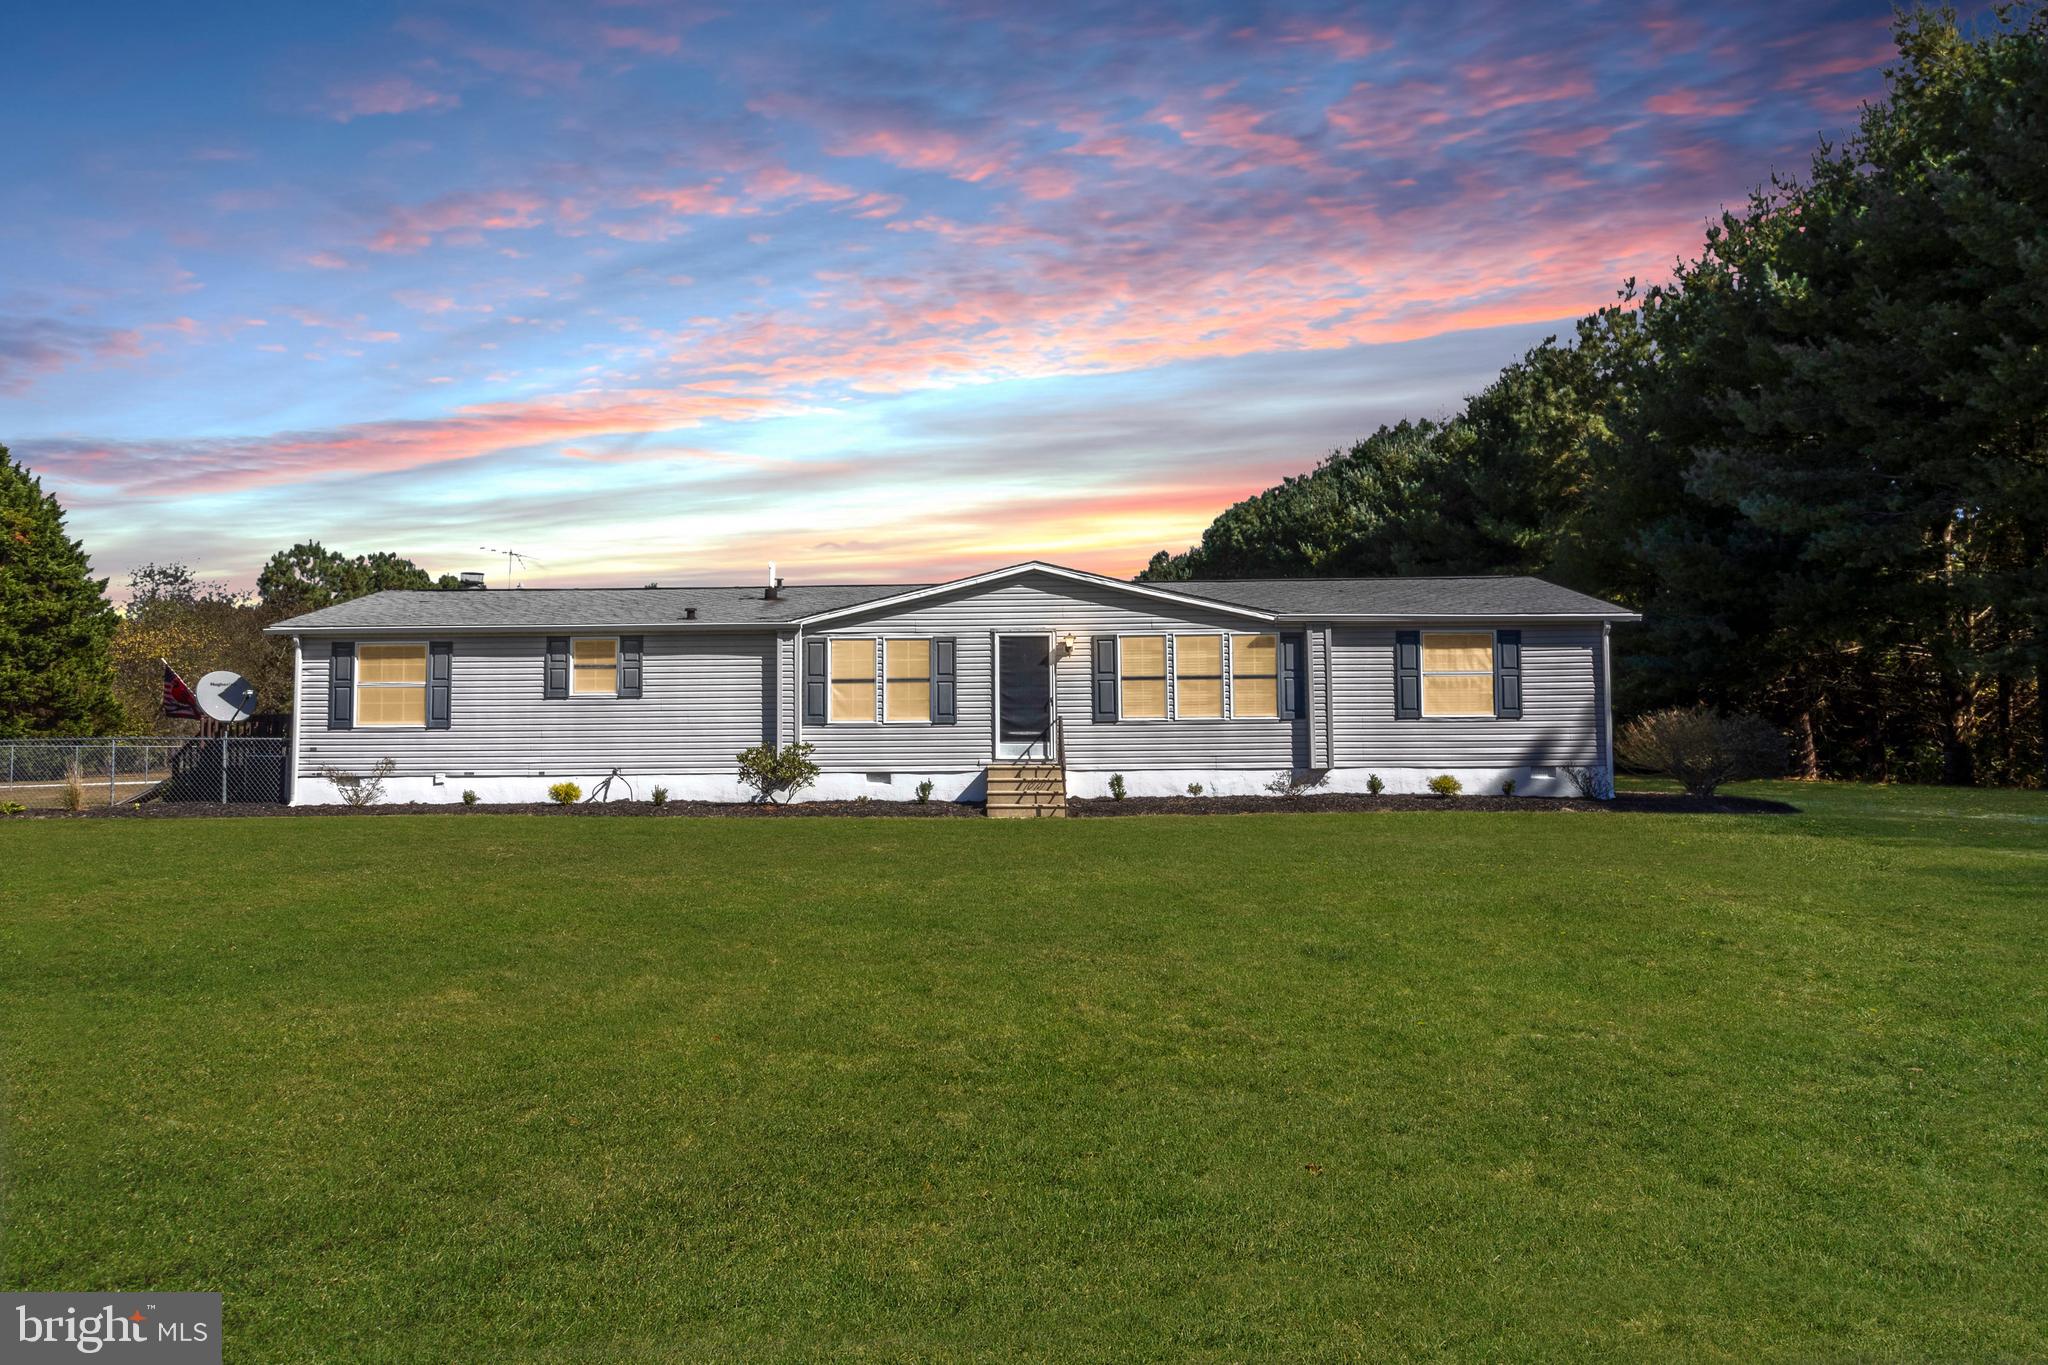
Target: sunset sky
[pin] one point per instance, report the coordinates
(658, 293)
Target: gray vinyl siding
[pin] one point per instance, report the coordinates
(1561, 707)
(704, 698)
(1042, 602)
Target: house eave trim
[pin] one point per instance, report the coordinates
(1036, 566)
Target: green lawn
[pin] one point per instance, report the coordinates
(1541, 1085)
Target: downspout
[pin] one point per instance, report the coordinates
(796, 689)
(1607, 704)
(291, 774)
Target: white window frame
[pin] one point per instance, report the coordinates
(1423, 673)
(1165, 662)
(1222, 637)
(882, 677)
(874, 716)
(612, 695)
(1230, 671)
(355, 692)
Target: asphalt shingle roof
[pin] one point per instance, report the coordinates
(523, 609)
(588, 608)
(1405, 597)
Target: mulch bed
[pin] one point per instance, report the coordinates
(1638, 803)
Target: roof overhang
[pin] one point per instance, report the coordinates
(517, 628)
(1036, 566)
(1491, 617)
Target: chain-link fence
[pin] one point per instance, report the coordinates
(79, 774)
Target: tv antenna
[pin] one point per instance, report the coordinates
(511, 555)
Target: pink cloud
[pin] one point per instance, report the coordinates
(640, 40)
(151, 469)
(389, 95)
(459, 218)
(1696, 104)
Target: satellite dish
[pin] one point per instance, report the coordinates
(226, 696)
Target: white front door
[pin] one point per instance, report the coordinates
(1024, 696)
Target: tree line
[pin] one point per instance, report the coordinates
(1816, 459)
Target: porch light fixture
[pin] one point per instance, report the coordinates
(1067, 643)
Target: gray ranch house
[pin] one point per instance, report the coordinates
(1029, 678)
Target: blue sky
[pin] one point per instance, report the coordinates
(662, 293)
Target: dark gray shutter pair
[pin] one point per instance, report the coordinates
(1507, 675)
(1102, 693)
(1293, 676)
(945, 680)
(555, 676)
(341, 685)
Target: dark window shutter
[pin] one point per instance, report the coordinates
(1507, 674)
(440, 683)
(1293, 653)
(629, 664)
(945, 682)
(814, 682)
(1104, 678)
(341, 687)
(1407, 675)
(556, 683)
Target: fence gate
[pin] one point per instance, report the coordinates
(122, 770)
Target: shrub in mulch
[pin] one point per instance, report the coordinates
(1654, 803)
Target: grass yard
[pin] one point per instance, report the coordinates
(1524, 1085)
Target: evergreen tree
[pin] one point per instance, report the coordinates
(55, 621)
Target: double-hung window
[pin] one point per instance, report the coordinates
(391, 685)
(853, 680)
(1198, 677)
(1255, 676)
(594, 666)
(1142, 677)
(1457, 673)
(907, 680)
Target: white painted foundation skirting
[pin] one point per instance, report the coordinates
(946, 786)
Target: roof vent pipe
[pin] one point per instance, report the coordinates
(774, 591)
(689, 613)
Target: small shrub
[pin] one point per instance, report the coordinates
(565, 793)
(1194, 789)
(358, 790)
(1446, 786)
(1374, 785)
(1507, 786)
(769, 770)
(1589, 783)
(1701, 748)
(469, 798)
(924, 792)
(1116, 787)
(1295, 783)
(660, 796)
(71, 796)
(11, 808)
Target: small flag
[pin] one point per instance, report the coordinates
(178, 698)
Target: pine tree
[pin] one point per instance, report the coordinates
(56, 674)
